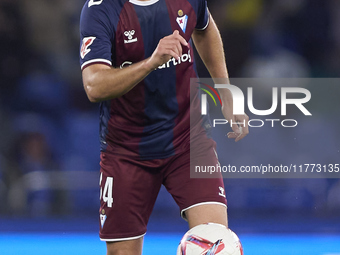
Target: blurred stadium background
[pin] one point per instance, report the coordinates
(49, 149)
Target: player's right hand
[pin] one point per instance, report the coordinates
(167, 48)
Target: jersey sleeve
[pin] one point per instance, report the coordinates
(202, 15)
(96, 36)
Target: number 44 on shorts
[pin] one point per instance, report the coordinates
(106, 194)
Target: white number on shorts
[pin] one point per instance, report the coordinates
(107, 192)
(93, 2)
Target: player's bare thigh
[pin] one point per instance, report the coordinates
(201, 214)
(130, 247)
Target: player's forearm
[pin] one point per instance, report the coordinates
(103, 83)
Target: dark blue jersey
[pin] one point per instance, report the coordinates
(153, 119)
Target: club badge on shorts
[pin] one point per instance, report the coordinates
(102, 218)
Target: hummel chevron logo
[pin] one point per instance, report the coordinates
(129, 35)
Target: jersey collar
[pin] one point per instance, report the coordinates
(143, 3)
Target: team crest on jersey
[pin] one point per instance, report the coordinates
(87, 41)
(129, 35)
(182, 20)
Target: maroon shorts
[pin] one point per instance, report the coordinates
(129, 188)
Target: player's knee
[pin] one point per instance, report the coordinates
(130, 247)
(115, 252)
(112, 250)
(201, 214)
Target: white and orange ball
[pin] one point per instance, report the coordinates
(210, 239)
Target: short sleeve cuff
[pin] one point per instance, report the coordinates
(95, 61)
(206, 25)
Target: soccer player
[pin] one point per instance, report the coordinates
(137, 60)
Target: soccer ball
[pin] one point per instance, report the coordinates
(210, 239)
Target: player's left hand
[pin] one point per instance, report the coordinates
(239, 130)
(239, 124)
